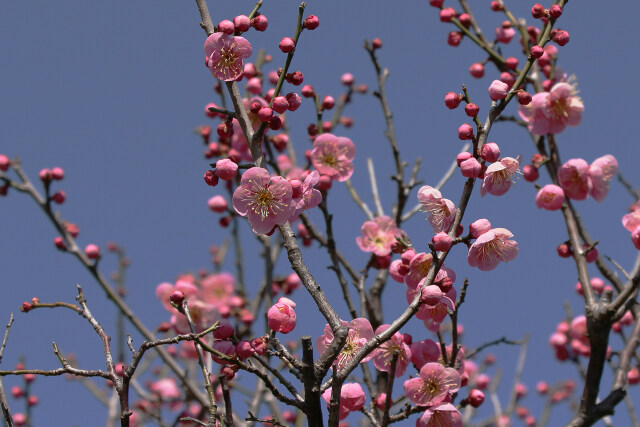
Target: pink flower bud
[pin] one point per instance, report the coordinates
(511, 63)
(217, 204)
(476, 397)
(550, 197)
(461, 157)
(498, 90)
(5, 162)
(241, 23)
(561, 38)
(465, 132)
(311, 22)
(328, 102)
(294, 101)
(244, 349)
(92, 251)
(226, 169)
(536, 51)
(59, 242)
(280, 104)
(259, 346)
(281, 317)
(225, 130)
(470, 168)
(452, 100)
(296, 188)
(465, 19)
(471, 109)
(477, 70)
(260, 23)
(45, 175)
(254, 86)
(380, 401)
(393, 271)
(555, 11)
(479, 227)
(441, 241)
(633, 376)
(347, 79)
(407, 256)
(287, 45)
(504, 35)
(447, 14)
(226, 27)
(210, 178)
(524, 98)
(57, 173)
(324, 183)
(538, 11)
(454, 38)
(307, 91)
(591, 255)
(224, 347)
(376, 43)
(177, 297)
(224, 331)
(59, 197)
(530, 173)
(490, 152)
(265, 114)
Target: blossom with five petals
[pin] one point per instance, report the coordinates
(491, 248)
(553, 111)
(360, 331)
(434, 384)
(333, 156)
(378, 235)
(442, 212)
(225, 54)
(499, 176)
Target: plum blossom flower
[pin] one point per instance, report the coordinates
(225, 54)
(434, 384)
(425, 351)
(443, 415)
(333, 156)
(442, 212)
(601, 172)
(573, 177)
(435, 304)
(378, 235)
(631, 220)
(310, 196)
(281, 317)
(383, 355)
(499, 176)
(550, 197)
(217, 289)
(360, 331)
(265, 200)
(553, 111)
(491, 248)
(352, 398)
(419, 267)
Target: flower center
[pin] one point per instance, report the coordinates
(262, 202)
(432, 386)
(329, 160)
(559, 108)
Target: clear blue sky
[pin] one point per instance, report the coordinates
(111, 91)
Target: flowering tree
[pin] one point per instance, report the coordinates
(222, 336)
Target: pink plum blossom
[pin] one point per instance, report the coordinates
(436, 305)
(265, 200)
(225, 54)
(443, 415)
(419, 266)
(164, 290)
(553, 111)
(601, 172)
(550, 197)
(217, 289)
(378, 235)
(281, 317)
(631, 221)
(310, 196)
(573, 177)
(442, 212)
(352, 398)
(425, 351)
(333, 156)
(434, 384)
(499, 176)
(166, 388)
(360, 331)
(491, 248)
(383, 355)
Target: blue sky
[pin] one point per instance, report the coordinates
(111, 92)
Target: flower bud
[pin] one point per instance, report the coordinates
(490, 152)
(498, 90)
(465, 132)
(241, 23)
(260, 23)
(471, 109)
(441, 241)
(452, 100)
(311, 22)
(287, 45)
(226, 27)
